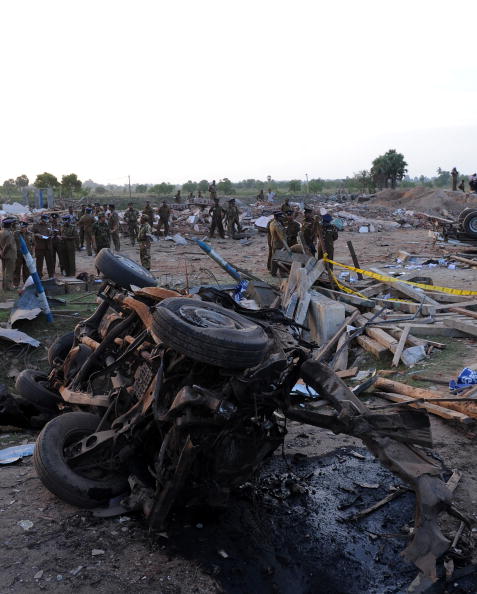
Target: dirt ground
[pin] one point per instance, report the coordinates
(286, 533)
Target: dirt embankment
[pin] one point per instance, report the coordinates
(429, 200)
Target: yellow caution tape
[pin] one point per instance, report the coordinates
(392, 279)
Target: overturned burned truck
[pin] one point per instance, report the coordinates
(171, 400)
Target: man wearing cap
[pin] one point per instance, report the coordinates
(22, 272)
(57, 243)
(130, 216)
(217, 214)
(8, 252)
(68, 243)
(144, 240)
(232, 218)
(42, 232)
(164, 214)
(101, 233)
(149, 212)
(286, 205)
(329, 234)
(292, 228)
(114, 226)
(86, 229)
(213, 190)
(309, 231)
(178, 197)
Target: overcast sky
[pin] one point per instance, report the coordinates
(192, 89)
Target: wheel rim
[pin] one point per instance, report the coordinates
(207, 318)
(473, 224)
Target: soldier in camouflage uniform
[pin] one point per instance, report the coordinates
(144, 241)
(217, 213)
(309, 230)
(292, 229)
(329, 234)
(164, 214)
(114, 226)
(101, 233)
(69, 238)
(56, 242)
(232, 218)
(8, 252)
(21, 269)
(130, 216)
(149, 212)
(42, 233)
(85, 224)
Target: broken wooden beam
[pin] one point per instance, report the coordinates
(435, 409)
(371, 346)
(400, 346)
(465, 327)
(327, 348)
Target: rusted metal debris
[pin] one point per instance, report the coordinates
(171, 400)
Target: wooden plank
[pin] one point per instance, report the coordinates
(435, 409)
(354, 257)
(455, 304)
(348, 298)
(464, 312)
(372, 290)
(302, 308)
(467, 408)
(400, 346)
(341, 362)
(351, 372)
(371, 346)
(292, 283)
(407, 290)
(434, 330)
(290, 309)
(464, 260)
(465, 327)
(378, 334)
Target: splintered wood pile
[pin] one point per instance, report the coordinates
(386, 317)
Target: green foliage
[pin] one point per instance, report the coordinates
(203, 185)
(22, 181)
(294, 185)
(162, 189)
(100, 190)
(69, 184)
(443, 178)
(364, 181)
(225, 186)
(141, 188)
(315, 185)
(46, 180)
(190, 186)
(9, 186)
(388, 169)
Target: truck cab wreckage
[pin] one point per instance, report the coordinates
(169, 400)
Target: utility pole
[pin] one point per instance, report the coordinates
(307, 185)
(129, 181)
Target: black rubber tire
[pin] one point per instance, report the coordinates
(464, 213)
(33, 385)
(123, 271)
(209, 333)
(469, 224)
(60, 348)
(55, 473)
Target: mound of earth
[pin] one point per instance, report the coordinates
(429, 200)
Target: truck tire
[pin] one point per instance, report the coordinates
(60, 348)
(59, 477)
(34, 386)
(123, 271)
(209, 333)
(469, 223)
(464, 213)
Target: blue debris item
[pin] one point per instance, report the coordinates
(30, 262)
(13, 454)
(218, 258)
(467, 377)
(240, 290)
(305, 390)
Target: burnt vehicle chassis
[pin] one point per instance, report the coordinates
(170, 401)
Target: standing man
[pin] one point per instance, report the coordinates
(101, 233)
(149, 212)
(260, 196)
(276, 239)
(270, 195)
(42, 233)
(68, 241)
(309, 230)
(286, 205)
(473, 182)
(217, 213)
(454, 174)
(178, 197)
(164, 214)
(86, 229)
(8, 252)
(57, 243)
(130, 216)
(292, 229)
(329, 234)
(144, 240)
(114, 226)
(232, 218)
(213, 190)
(461, 186)
(21, 269)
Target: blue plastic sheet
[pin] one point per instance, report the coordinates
(13, 454)
(466, 378)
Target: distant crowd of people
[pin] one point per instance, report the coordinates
(461, 186)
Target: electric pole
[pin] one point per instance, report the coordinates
(129, 181)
